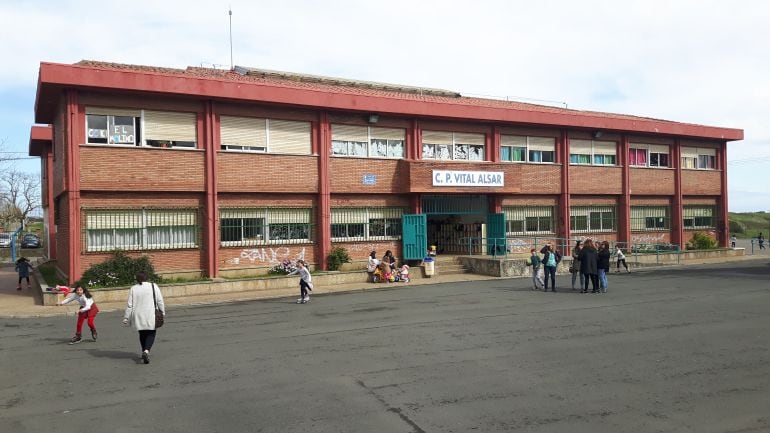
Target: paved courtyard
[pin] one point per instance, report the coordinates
(667, 350)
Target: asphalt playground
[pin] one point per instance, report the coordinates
(670, 349)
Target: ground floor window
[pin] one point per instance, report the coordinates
(698, 217)
(140, 229)
(588, 219)
(649, 218)
(354, 224)
(259, 226)
(520, 220)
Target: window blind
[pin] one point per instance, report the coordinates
(513, 140)
(436, 137)
(113, 111)
(161, 125)
(546, 144)
(243, 131)
(580, 146)
(286, 136)
(387, 133)
(349, 133)
(466, 138)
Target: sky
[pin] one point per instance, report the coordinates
(705, 62)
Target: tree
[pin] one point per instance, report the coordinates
(19, 196)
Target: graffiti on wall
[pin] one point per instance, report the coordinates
(518, 246)
(647, 238)
(267, 256)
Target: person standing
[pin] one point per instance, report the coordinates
(87, 311)
(575, 268)
(371, 265)
(23, 267)
(534, 261)
(733, 240)
(760, 238)
(604, 265)
(305, 282)
(143, 298)
(589, 264)
(621, 259)
(551, 259)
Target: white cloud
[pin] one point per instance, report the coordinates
(705, 62)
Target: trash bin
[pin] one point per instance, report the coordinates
(430, 266)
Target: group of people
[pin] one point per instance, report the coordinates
(590, 263)
(386, 270)
(144, 298)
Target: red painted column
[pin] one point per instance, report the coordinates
(493, 144)
(48, 156)
(723, 224)
(211, 145)
(677, 230)
(563, 223)
(624, 208)
(414, 143)
(74, 132)
(324, 226)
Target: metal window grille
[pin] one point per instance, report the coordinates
(698, 217)
(140, 229)
(587, 219)
(359, 224)
(521, 220)
(261, 226)
(649, 218)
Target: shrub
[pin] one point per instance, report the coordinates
(285, 267)
(701, 241)
(118, 271)
(337, 257)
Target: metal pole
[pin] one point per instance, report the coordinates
(230, 12)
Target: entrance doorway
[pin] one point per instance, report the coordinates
(456, 224)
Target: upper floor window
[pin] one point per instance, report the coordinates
(592, 152)
(453, 146)
(367, 141)
(265, 135)
(140, 127)
(527, 149)
(648, 155)
(699, 158)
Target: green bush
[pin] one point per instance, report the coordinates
(736, 227)
(701, 241)
(118, 271)
(337, 257)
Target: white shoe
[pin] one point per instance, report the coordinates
(306, 298)
(300, 301)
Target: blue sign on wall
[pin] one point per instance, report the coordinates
(370, 179)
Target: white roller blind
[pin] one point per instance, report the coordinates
(436, 137)
(513, 140)
(113, 111)
(542, 143)
(540, 211)
(707, 151)
(113, 219)
(241, 213)
(171, 217)
(162, 125)
(689, 152)
(349, 215)
(513, 213)
(604, 148)
(465, 138)
(243, 131)
(349, 133)
(580, 146)
(387, 133)
(385, 212)
(288, 216)
(288, 136)
(657, 148)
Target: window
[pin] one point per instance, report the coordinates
(527, 149)
(140, 229)
(356, 224)
(367, 141)
(698, 217)
(453, 146)
(649, 218)
(698, 158)
(592, 218)
(592, 152)
(520, 220)
(648, 155)
(265, 135)
(117, 126)
(260, 226)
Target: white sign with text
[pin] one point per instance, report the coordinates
(468, 178)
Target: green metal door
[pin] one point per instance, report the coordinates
(496, 234)
(414, 236)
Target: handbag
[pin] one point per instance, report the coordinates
(158, 314)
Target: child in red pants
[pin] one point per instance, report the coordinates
(87, 311)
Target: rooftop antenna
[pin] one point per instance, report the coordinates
(230, 12)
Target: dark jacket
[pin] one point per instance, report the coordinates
(576, 258)
(604, 259)
(589, 260)
(546, 254)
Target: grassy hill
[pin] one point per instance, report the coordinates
(749, 224)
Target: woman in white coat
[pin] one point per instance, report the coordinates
(140, 311)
